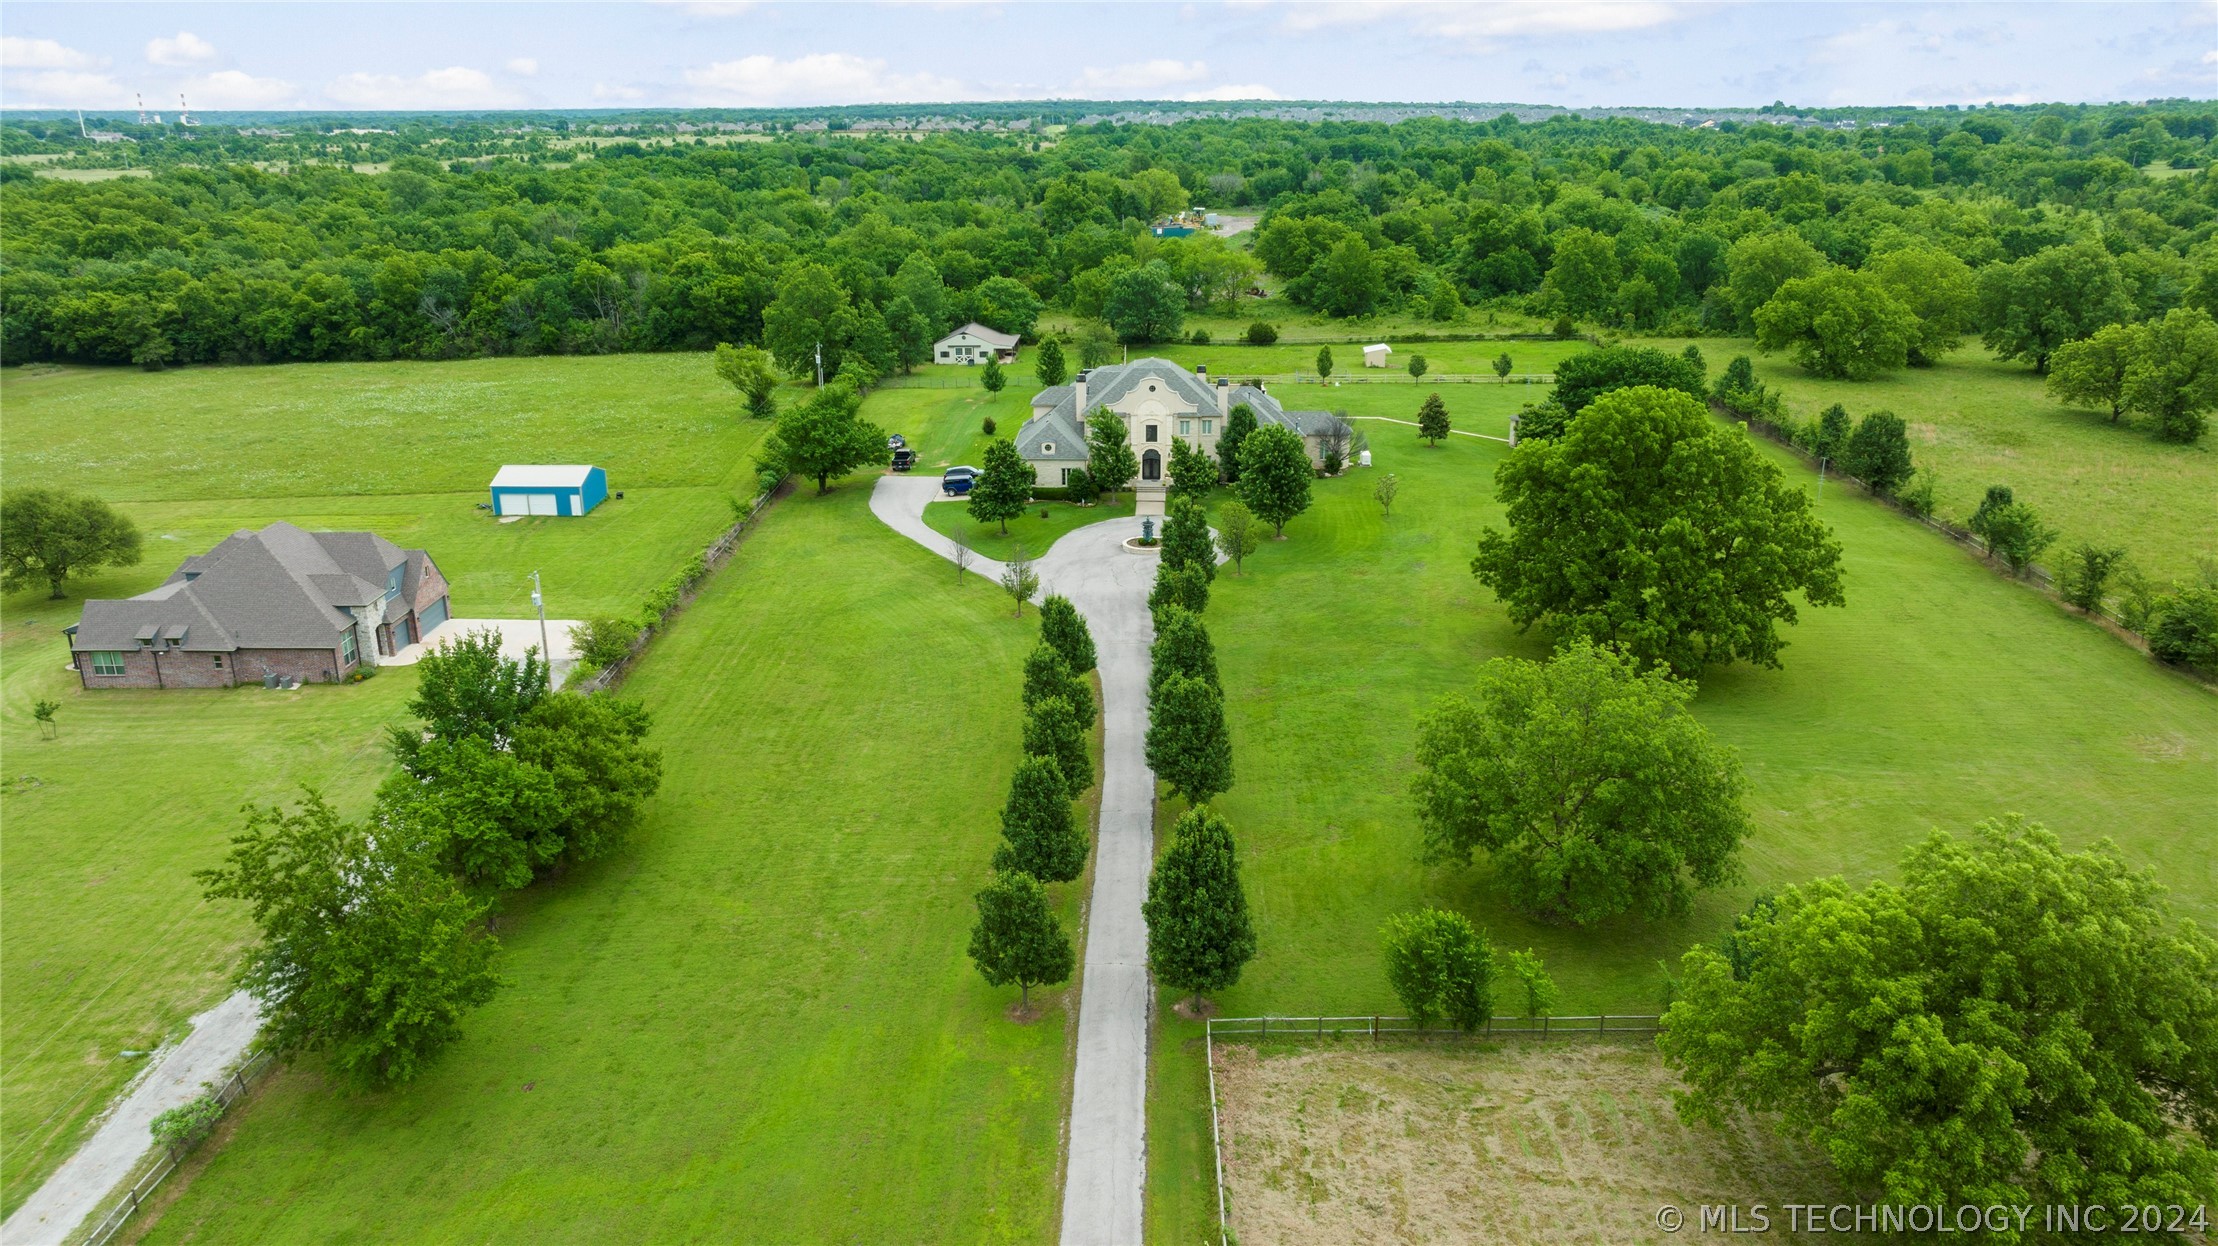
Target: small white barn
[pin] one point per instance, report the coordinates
(974, 343)
(1374, 355)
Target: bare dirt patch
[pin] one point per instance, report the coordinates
(1517, 1142)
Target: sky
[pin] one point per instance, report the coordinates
(1580, 53)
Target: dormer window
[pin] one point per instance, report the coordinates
(1047, 447)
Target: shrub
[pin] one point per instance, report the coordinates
(987, 427)
(2084, 579)
(1439, 968)
(1564, 330)
(1261, 334)
(1917, 497)
(2186, 633)
(1201, 337)
(605, 641)
(188, 1124)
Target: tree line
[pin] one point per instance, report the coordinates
(798, 240)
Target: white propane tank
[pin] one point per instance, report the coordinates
(1364, 458)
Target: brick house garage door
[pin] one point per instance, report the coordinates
(433, 616)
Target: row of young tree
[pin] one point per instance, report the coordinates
(878, 247)
(1200, 936)
(1017, 938)
(377, 936)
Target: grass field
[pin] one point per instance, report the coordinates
(108, 947)
(1028, 531)
(757, 1021)
(1569, 1141)
(1977, 422)
(1941, 695)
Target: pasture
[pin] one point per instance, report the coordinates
(1519, 1141)
(1977, 421)
(1942, 694)
(109, 948)
(755, 1022)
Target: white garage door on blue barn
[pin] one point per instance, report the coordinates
(548, 489)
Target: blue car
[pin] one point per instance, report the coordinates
(958, 480)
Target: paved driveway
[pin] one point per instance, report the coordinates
(1108, 1120)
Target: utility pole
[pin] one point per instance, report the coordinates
(546, 654)
(820, 365)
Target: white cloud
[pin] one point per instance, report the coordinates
(1137, 77)
(523, 65)
(617, 91)
(17, 52)
(186, 48)
(1483, 21)
(712, 8)
(230, 88)
(63, 88)
(818, 78)
(456, 86)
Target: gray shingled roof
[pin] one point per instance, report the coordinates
(1107, 384)
(991, 337)
(279, 588)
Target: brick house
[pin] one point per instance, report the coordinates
(315, 606)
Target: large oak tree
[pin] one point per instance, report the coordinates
(1650, 526)
(2011, 1023)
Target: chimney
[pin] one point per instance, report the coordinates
(1224, 396)
(1201, 370)
(1078, 394)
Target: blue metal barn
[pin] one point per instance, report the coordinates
(571, 489)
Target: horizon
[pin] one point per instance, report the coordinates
(489, 58)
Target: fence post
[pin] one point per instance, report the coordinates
(1266, 1025)
(1544, 1025)
(1602, 1023)
(1320, 1027)
(1374, 1029)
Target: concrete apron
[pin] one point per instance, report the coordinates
(1107, 1140)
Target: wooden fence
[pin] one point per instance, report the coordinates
(719, 552)
(230, 1091)
(1377, 1027)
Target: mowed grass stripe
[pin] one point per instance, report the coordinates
(1942, 694)
(756, 1022)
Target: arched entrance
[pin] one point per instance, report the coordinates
(1151, 466)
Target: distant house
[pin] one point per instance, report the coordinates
(975, 343)
(545, 489)
(313, 606)
(1157, 400)
(1374, 355)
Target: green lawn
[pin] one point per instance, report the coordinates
(1978, 422)
(1028, 531)
(1941, 695)
(756, 1022)
(1462, 358)
(108, 946)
